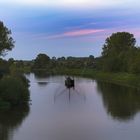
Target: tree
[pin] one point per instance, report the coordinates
(117, 51)
(118, 42)
(90, 62)
(11, 61)
(6, 41)
(41, 61)
(54, 58)
(91, 57)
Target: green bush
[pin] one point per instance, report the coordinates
(14, 90)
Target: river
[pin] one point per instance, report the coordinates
(92, 110)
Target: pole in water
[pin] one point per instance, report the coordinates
(69, 94)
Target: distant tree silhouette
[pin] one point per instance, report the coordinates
(41, 61)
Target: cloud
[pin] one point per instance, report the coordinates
(69, 3)
(82, 32)
(76, 33)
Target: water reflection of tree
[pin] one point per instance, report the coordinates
(10, 120)
(122, 103)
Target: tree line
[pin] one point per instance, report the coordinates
(43, 61)
(119, 54)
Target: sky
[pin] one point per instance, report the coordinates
(67, 27)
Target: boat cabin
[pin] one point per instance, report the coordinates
(69, 82)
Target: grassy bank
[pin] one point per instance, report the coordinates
(126, 79)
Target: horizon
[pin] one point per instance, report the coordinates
(66, 28)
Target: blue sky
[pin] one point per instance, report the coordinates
(67, 27)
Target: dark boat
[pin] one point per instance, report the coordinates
(69, 82)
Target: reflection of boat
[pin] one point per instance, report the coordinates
(69, 82)
(42, 83)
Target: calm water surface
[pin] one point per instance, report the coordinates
(94, 111)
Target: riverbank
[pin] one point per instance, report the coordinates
(126, 79)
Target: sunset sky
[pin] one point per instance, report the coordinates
(67, 27)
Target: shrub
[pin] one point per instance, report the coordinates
(14, 90)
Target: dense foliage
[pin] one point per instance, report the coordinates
(120, 54)
(41, 62)
(6, 41)
(53, 65)
(13, 85)
(14, 90)
(4, 67)
(118, 43)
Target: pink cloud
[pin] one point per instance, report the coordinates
(82, 32)
(76, 33)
